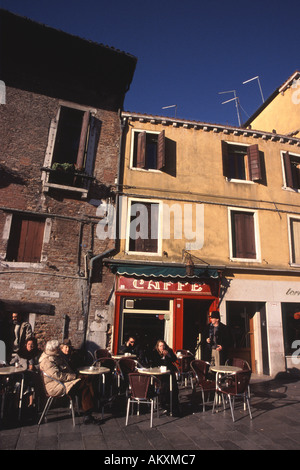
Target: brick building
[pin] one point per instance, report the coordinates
(60, 142)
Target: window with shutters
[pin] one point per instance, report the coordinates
(243, 235)
(143, 227)
(294, 231)
(25, 239)
(148, 150)
(291, 170)
(241, 162)
(71, 150)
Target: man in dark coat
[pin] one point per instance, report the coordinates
(216, 341)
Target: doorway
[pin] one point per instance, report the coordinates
(195, 318)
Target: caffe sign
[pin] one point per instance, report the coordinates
(154, 286)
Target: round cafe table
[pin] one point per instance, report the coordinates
(223, 370)
(96, 371)
(156, 371)
(8, 371)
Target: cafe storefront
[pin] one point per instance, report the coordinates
(162, 302)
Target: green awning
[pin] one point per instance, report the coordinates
(159, 271)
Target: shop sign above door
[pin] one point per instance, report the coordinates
(154, 286)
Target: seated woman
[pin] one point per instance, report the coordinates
(56, 367)
(163, 355)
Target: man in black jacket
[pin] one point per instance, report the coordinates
(216, 341)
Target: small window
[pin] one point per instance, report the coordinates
(148, 150)
(25, 239)
(243, 235)
(295, 240)
(292, 170)
(143, 230)
(241, 162)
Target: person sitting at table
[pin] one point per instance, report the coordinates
(163, 355)
(131, 346)
(57, 368)
(28, 359)
(20, 331)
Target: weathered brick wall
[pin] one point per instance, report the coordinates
(62, 278)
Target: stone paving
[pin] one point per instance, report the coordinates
(275, 405)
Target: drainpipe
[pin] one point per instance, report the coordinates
(116, 244)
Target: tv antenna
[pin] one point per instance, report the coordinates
(236, 99)
(171, 106)
(256, 78)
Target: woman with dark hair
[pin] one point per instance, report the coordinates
(163, 355)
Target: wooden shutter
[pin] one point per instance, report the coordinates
(161, 151)
(225, 158)
(93, 140)
(26, 240)
(82, 141)
(141, 150)
(254, 162)
(288, 170)
(243, 236)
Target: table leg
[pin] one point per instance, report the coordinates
(21, 396)
(171, 395)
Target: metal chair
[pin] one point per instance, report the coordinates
(101, 353)
(200, 371)
(184, 366)
(237, 362)
(238, 386)
(142, 391)
(50, 398)
(125, 367)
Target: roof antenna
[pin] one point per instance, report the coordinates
(236, 99)
(172, 106)
(256, 78)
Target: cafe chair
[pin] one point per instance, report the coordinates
(101, 353)
(50, 399)
(110, 364)
(200, 371)
(184, 366)
(237, 387)
(184, 352)
(143, 390)
(126, 366)
(237, 362)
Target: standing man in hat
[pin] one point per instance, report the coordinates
(216, 341)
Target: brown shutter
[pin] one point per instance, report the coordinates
(254, 163)
(288, 170)
(225, 158)
(243, 236)
(31, 240)
(141, 150)
(82, 141)
(161, 151)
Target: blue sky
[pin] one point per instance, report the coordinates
(188, 51)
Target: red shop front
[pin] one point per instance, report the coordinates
(170, 309)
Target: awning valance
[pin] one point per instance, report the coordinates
(159, 271)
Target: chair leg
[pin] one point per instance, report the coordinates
(151, 416)
(72, 411)
(248, 403)
(127, 411)
(45, 411)
(231, 407)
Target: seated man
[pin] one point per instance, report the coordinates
(55, 366)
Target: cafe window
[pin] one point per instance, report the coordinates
(147, 319)
(291, 327)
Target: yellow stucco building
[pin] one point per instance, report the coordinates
(209, 219)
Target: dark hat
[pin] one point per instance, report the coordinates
(215, 314)
(66, 342)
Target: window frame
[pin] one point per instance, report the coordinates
(290, 219)
(133, 200)
(251, 148)
(8, 226)
(257, 259)
(90, 134)
(286, 170)
(134, 138)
